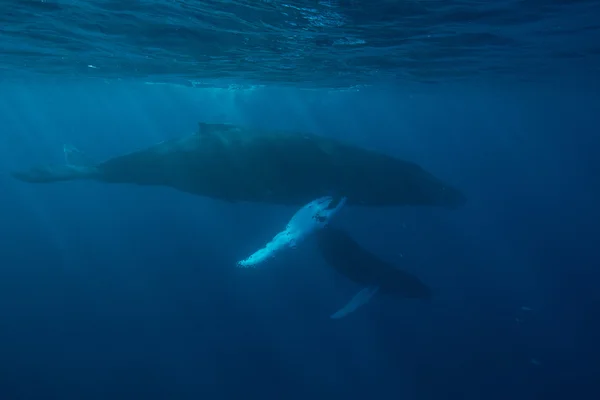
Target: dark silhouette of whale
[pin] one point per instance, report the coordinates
(361, 266)
(233, 163)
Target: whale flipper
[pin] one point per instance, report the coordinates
(310, 218)
(361, 298)
(77, 158)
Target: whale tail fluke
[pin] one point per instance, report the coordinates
(78, 166)
(360, 299)
(54, 173)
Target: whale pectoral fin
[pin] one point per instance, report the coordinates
(281, 241)
(77, 158)
(305, 221)
(361, 298)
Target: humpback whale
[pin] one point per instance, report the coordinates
(361, 266)
(235, 163)
(310, 218)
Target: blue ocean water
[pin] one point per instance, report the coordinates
(121, 291)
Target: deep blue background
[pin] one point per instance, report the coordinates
(132, 292)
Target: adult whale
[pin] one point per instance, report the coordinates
(234, 163)
(361, 266)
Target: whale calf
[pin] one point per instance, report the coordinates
(314, 216)
(361, 266)
(234, 163)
